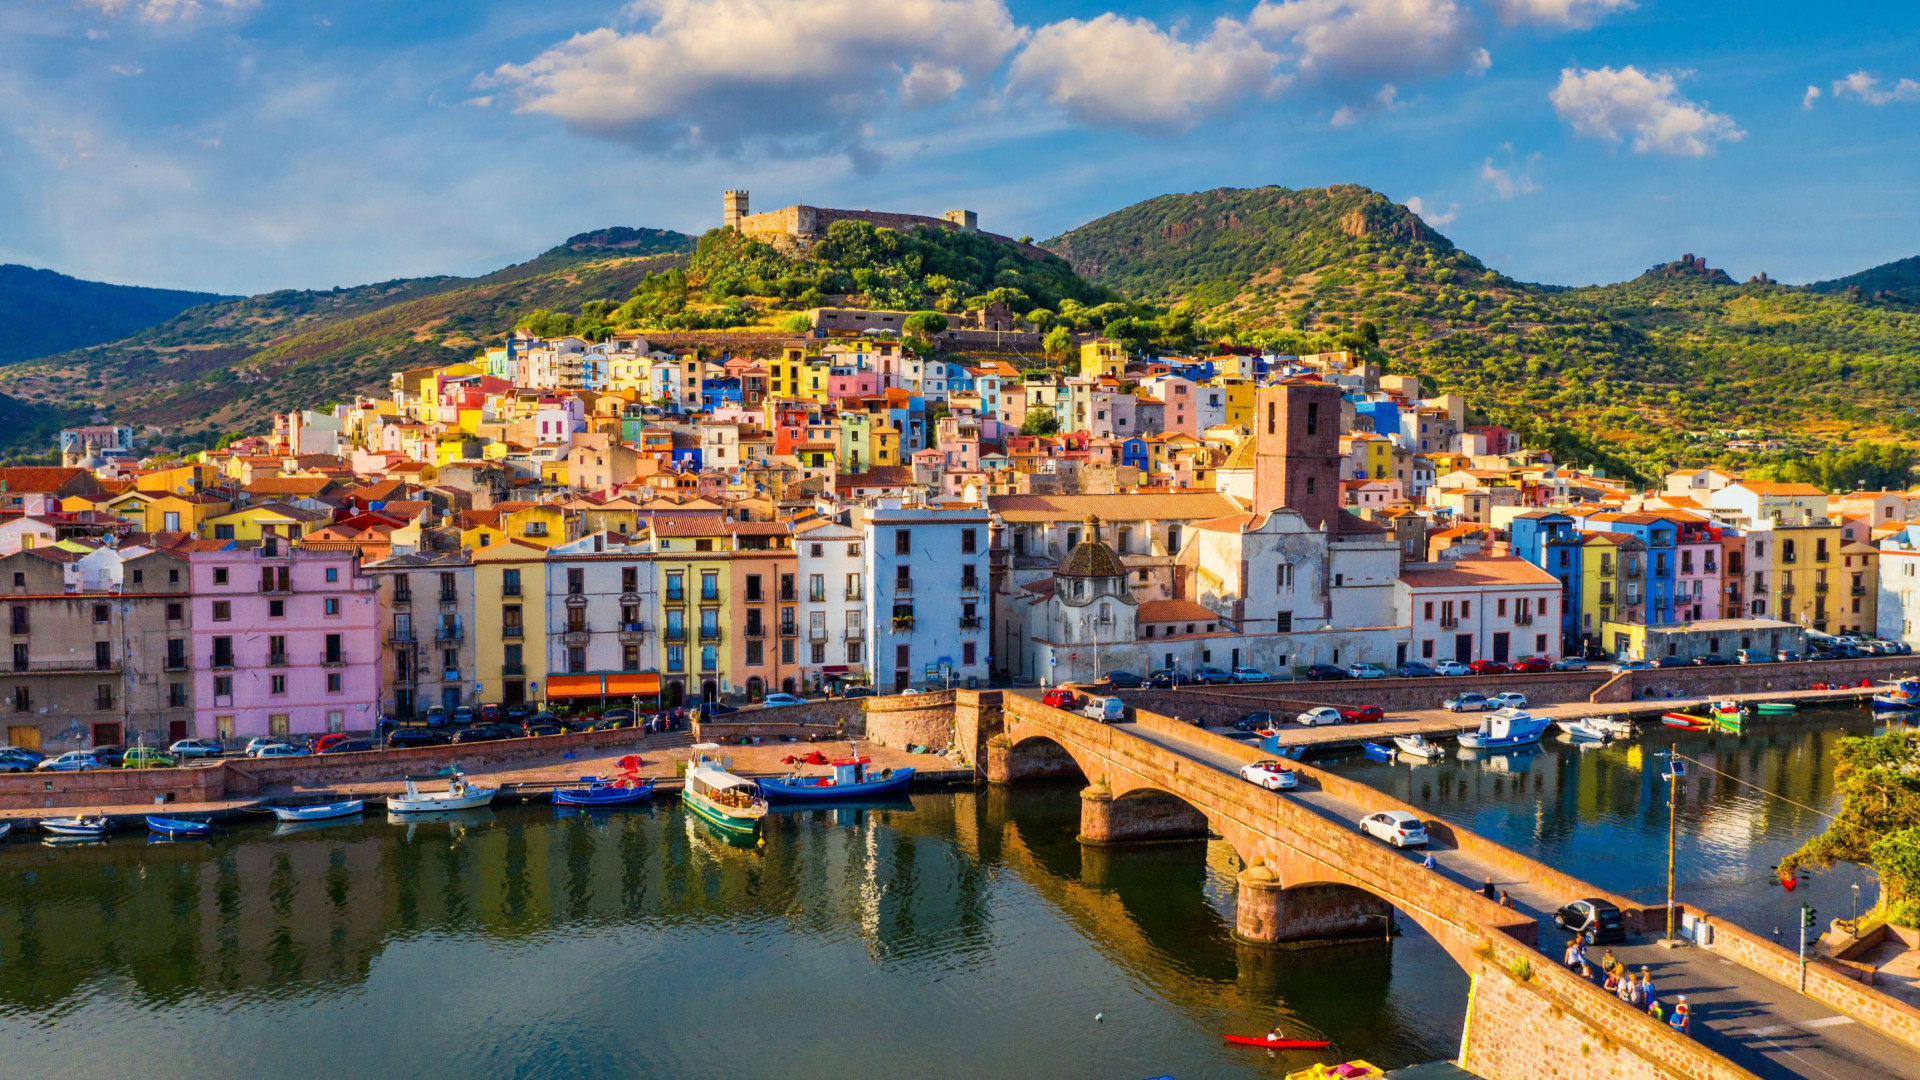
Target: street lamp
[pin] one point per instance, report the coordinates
(1675, 770)
(1856, 900)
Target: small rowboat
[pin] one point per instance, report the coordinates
(1419, 746)
(1775, 707)
(93, 827)
(321, 812)
(1687, 721)
(601, 791)
(166, 826)
(1276, 1044)
(1377, 752)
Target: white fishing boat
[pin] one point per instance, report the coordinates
(1583, 731)
(1614, 727)
(1419, 746)
(76, 826)
(726, 801)
(319, 812)
(460, 795)
(1504, 729)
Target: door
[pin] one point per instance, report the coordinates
(1500, 647)
(1463, 648)
(176, 730)
(106, 734)
(25, 736)
(450, 698)
(1236, 660)
(513, 692)
(709, 691)
(223, 728)
(278, 724)
(1400, 654)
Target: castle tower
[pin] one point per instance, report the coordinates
(735, 205)
(1296, 451)
(967, 220)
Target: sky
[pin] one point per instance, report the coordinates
(243, 146)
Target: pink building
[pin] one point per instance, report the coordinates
(286, 641)
(843, 383)
(1697, 581)
(1182, 401)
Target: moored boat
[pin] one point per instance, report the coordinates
(180, 827)
(1419, 746)
(320, 811)
(1729, 717)
(727, 802)
(5, 828)
(1775, 707)
(1504, 728)
(1583, 731)
(1614, 727)
(1377, 752)
(460, 795)
(851, 779)
(605, 791)
(76, 826)
(1688, 721)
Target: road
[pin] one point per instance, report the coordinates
(1764, 1027)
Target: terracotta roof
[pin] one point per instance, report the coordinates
(37, 478)
(1762, 487)
(289, 485)
(1158, 611)
(1473, 573)
(1184, 506)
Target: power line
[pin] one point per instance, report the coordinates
(1703, 765)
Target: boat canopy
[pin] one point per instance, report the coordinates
(718, 778)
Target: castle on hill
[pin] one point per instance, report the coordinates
(795, 228)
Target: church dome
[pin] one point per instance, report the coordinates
(1092, 558)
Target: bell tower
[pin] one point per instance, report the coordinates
(1296, 451)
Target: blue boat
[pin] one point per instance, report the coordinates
(1376, 752)
(1505, 729)
(1270, 745)
(604, 791)
(1903, 696)
(850, 780)
(166, 826)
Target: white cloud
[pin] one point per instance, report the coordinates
(1509, 180)
(1807, 99)
(1868, 89)
(1568, 13)
(1384, 101)
(1604, 103)
(1124, 72)
(718, 75)
(163, 11)
(1363, 40)
(1436, 220)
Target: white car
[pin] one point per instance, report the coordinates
(1510, 700)
(1272, 775)
(783, 699)
(187, 749)
(1317, 717)
(1625, 666)
(257, 744)
(1365, 671)
(1250, 675)
(276, 750)
(1396, 827)
(1451, 667)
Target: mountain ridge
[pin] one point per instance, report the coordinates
(46, 311)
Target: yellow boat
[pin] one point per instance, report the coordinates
(1351, 1070)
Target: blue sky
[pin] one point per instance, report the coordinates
(249, 145)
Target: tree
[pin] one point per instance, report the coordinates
(1040, 420)
(1058, 343)
(926, 324)
(796, 323)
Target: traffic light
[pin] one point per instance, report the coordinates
(1806, 916)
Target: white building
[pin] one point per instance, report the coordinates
(1898, 604)
(1497, 608)
(599, 590)
(832, 571)
(927, 576)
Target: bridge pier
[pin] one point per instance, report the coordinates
(1144, 817)
(1267, 913)
(1033, 759)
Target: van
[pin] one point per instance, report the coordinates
(1107, 710)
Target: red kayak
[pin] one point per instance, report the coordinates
(1275, 1044)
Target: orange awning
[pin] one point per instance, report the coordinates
(627, 683)
(559, 686)
(611, 684)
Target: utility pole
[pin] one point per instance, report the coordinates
(1674, 771)
(1806, 920)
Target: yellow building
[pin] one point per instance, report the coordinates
(180, 479)
(883, 445)
(540, 524)
(184, 513)
(1810, 581)
(510, 623)
(262, 519)
(1237, 394)
(1102, 357)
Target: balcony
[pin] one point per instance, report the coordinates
(676, 633)
(175, 663)
(401, 599)
(970, 588)
(902, 587)
(449, 598)
(1819, 588)
(974, 622)
(854, 633)
(401, 637)
(512, 631)
(788, 629)
(1786, 588)
(1857, 590)
(509, 590)
(1449, 623)
(333, 660)
(513, 670)
(902, 622)
(443, 632)
(817, 596)
(220, 663)
(577, 633)
(88, 665)
(632, 629)
(756, 630)
(1523, 619)
(856, 593)
(786, 594)
(709, 633)
(709, 596)
(278, 659)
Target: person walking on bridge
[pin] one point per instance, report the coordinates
(1681, 1019)
(1653, 1009)
(1489, 891)
(1576, 954)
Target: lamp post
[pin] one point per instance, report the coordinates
(1675, 770)
(1855, 887)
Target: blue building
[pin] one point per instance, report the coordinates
(1384, 414)
(1551, 542)
(1661, 535)
(1133, 452)
(720, 393)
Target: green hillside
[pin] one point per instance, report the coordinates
(46, 312)
(1638, 375)
(1894, 282)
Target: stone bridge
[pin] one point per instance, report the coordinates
(1310, 875)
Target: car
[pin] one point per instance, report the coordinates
(328, 741)
(71, 761)
(1396, 827)
(406, 737)
(280, 750)
(1326, 673)
(145, 757)
(721, 708)
(619, 718)
(1568, 663)
(1060, 698)
(1507, 700)
(1272, 775)
(1671, 662)
(12, 760)
(1319, 717)
(34, 756)
(1365, 671)
(1167, 679)
(437, 717)
(191, 749)
(1451, 668)
(1594, 919)
(514, 714)
(1414, 669)
(1254, 721)
(1711, 660)
(1361, 714)
(1123, 680)
(1621, 667)
(1210, 676)
(1531, 665)
(488, 714)
(109, 756)
(1466, 703)
(911, 690)
(1107, 710)
(1753, 656)
(859, 691)
(1787, 656)
(476, 733)
(1250, 675)
(255, 745)
(353, 746)
(1488, 667)
(775, 699)
(540, 728)
(463, 715)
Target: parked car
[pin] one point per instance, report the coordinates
(1123, 680)
(1254, 721)
(1466, 703)
(354, 746)
(409, 737)
(1318, 717)
(1362, 714)
(618, 718)
(255, 745)
(489, 714)
(436, 717)
(1569, 663)
(1210, 676)
(1596, 920)
(1060, 698)
(328, 741)
(1396, 827)
(1107, 710)
(280, 750)
(71, 761)
(1167, 679)
(1250, 675)
(109, 756)
(1711, 660)
(1325, 672)
(12, 760)
(474, 734)
(1670, 662)
(1414, 669)
(1787, 656)
(515, 714)
(1365, 671)
(1487, 667)
(191, 749)
(1507, 700)
(537, 728)
(145, 757)
(1621, 667)
(775, 699)
(463, 715)
(1531, 665)
(1451, 667)
(1272, 775)
(34, 756)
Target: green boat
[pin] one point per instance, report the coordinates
(1729, 717)
(725, 801)
(1775, 707)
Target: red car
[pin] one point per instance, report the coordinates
(1059, 697)
(489, 714)
(1363, 714)
(1531, 665)
(1487, 667)
(327, 742)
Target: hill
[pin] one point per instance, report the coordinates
(1898, 282)
(46, 312)
(1638, 375)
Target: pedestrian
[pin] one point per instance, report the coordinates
(1428, 862)
(1572, 955)
(1489, 891)
(1607, 961)
(1505, 900)
(1654, 1010)
(1630, 988)
(1680, 1019)
(1646, 982)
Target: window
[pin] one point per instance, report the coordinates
(279, 684)
(19, 580)
(1500, 608)
(332, 605)
(756, 653)
(176, 695)
(509, 583)
(277, 649)
(903, 541)
(969, 653)
(1173, 539)
(1283, 577)
(1466, 609)
(576, 581)
(1283, 623)
(220, 572)
(23, 699)
(1426, 611)
(223, 686)
(102, 613)
(709, 585)
(576, 658)
(1313, 417)
(333, 573)
(969, 545)
(853, 551)
(276, 609)
(103, 695)
(223, 652)
(333, 654)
